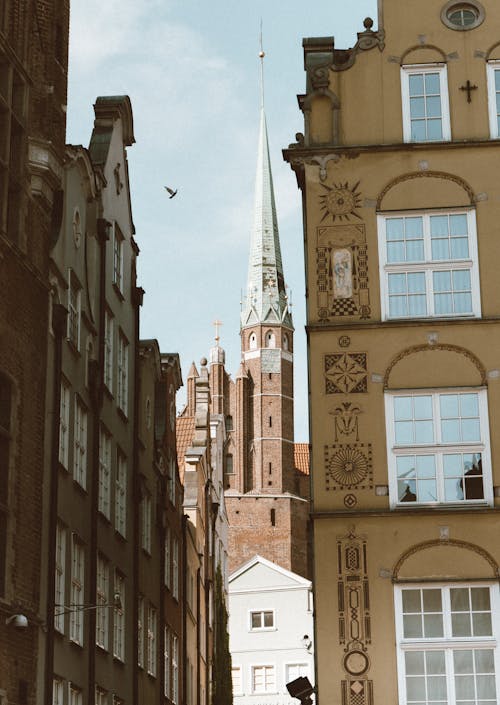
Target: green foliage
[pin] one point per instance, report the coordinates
(222, 686)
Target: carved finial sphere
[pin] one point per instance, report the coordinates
(262, 54)
(203, 362)
(368, 23)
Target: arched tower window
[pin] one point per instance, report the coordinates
(270, 339)
(285, 342)
(253, 341)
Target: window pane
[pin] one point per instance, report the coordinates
(404, 432)
(448, 405)
(484, 660)
(497, 79)
(411, 601)
(439, 226)
(415, 689)
(414, 251)
(396, 253)
(433, 626)
(450, 431)
(417, 306)
(268, 619)
(418, 133)
(417, 107)
(464, 687)
(436, 688)
(440, 248)
(414, 661)
(441, 281)
(471, 430)
(458, 224)
(481, 624)
(432, 600)
(416, 84)
(397, 283)
(424, 432)
(397, 306)
(426, 466)
(394, 228)
(407, 490)
(433, 106)
(416, 282)
(486, 687)
(460, 624)
(460, 601)
(435, 662)
(434, 129)
(423, 407)
(255, 620)
(432, 84)
(459, 248)
(427, 491)
(402, 408)
(414, 228)
(480, 598)
(469, 404)
(461, 280)
(462, 661)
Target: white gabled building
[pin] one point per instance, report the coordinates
(270, 632)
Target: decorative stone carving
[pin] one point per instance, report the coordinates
(348, 466)
(346, 420)
(346, 373)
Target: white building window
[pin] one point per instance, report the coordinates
(64, 424)
(171, 480)
(119, 617)
(108, 350)
(57, 691)
(146, 522)
(152, 639)
(117, 258)
(426, 114)
(102, 594)
(270, 339)
(121, 494)
(75, 695)
(439, 447)
(104, 472)
(493, 76)
(175, 669)
(429, 264)
(263, 679)
(80, 444)
(101, 696)
(140, 632)
(168, 558)
(447, 644)
(261, 620)
(296, 670)
(175, 567)
(122, 372)
(74, 310)
(166, 662)
(237, 682)
(60, 578)
(77, 591)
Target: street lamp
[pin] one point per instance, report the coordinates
(67, 609)
(301, 689)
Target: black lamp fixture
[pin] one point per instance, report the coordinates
(301, 689)
(67, 609)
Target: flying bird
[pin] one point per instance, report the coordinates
(171, 191)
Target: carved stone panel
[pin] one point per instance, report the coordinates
(346, 373)
(342, 272)
(348, 466)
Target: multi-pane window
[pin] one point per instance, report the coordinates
(429, 265)
(438, 447)
(296, 670)
(122, 373)
(447, 644)
(493, 74)
(108, 350)
(171, 480)
(101, 696)
(119, 617)
(80, 444)
(263, 679)
(426, 116)
(175, 669)
(175, 567)
(102, 596)
(104, 472)
(64, 424)
(146, 522)
(117, 258)
(236, 678)
(77, 591)
(74, 310)
(75, 695)
(140, 631)
(57, 691)
(168, 558)
(166, 662)
(151, 641)
(60, 578)
(262, 619)
(121, 494)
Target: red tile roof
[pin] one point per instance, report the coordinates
(301, 457)
(185, 432)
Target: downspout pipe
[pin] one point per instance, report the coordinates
(59, 316)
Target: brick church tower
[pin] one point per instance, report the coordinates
(266, 496)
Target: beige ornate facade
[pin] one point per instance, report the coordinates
(397, 166)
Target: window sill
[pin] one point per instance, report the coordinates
(106, 519)
(119, 535)
(122, 414)
(79, 487)
(478, 504)
(73, 348)
(119, 660)
(118, 291)
(108, 391)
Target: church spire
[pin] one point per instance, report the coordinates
(266, 299)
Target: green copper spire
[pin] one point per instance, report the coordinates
(266, 300)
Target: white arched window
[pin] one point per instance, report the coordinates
(285, 342)
(253, 341)
(270, 339)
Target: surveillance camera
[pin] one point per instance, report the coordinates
(19, 621)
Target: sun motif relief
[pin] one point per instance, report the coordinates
(340, 202)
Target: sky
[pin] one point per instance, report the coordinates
(191, 70)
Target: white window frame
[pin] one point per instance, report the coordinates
(439, 448)
(101, 696)
(237, 680)
(262, 628)
(428, 265)
(80, 440)
(57, 691)
(77, 587)
(447, 642)
(104, 498)
(74, 310)
(408, 70)
(175, 567)
(267, 668)
(122, 373)
(166, 662)
(152, 638)
(167, 577)
(109, 323)
(102, 599)
(146, 522)
(175, 668)
(60, 578)
(140, 631)
(121, 493)
(118, 241)
(491, 67)
(301, 668)
(119, 617)
(64, 407)
(75, 696)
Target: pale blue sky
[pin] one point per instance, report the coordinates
(191, 70)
